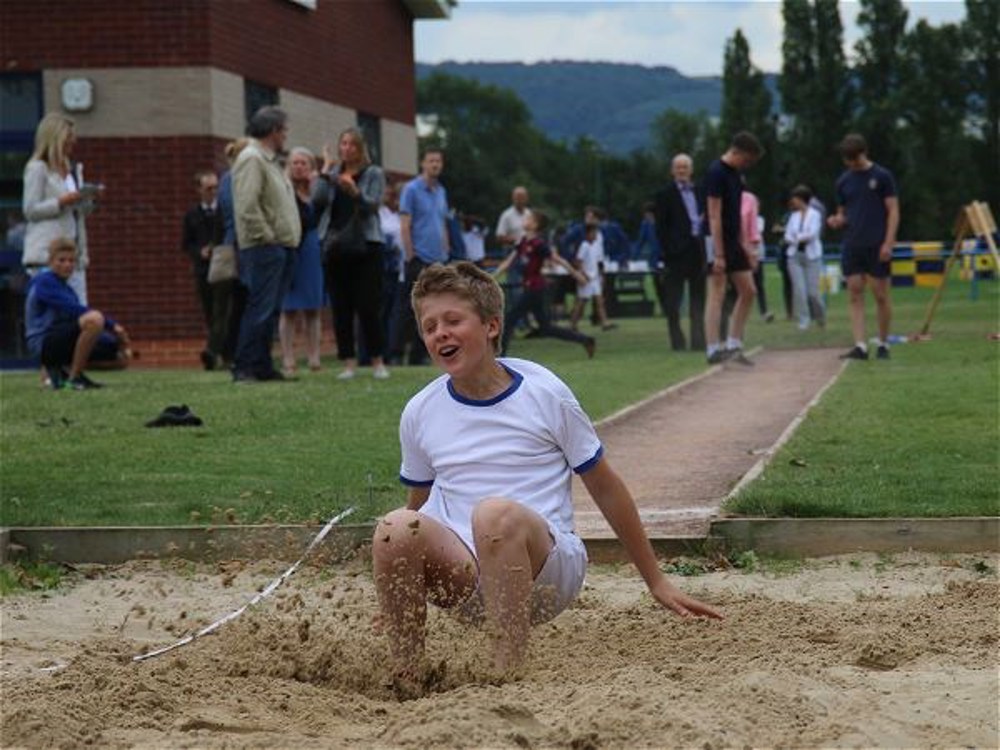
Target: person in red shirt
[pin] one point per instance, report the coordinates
(531, 253)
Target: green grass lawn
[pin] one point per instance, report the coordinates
(915, 436)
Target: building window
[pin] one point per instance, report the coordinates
(257, 95)
(371, 128)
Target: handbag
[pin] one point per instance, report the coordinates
(347, 241)
(222, 264)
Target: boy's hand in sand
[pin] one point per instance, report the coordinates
(680, 603)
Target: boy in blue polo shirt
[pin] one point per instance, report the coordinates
(868, 212)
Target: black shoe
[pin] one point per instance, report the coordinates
(883, 352)
(90, 383)
(276, 376)
(855, 353)
(718, 357)
(244, 377)
(175, 416)
(737, 355)
(57, 377)
(208, 359)
(82, 383)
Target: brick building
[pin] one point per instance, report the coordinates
(171, 82)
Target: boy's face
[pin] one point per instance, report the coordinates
(529, 223)
(459, 342)
(62, 264)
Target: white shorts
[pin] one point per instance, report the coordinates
(591, 289)
(557, 584)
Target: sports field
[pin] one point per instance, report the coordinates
(863, 650)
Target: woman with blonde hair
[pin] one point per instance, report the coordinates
(304, 299)
(55, 199)
(349, 195)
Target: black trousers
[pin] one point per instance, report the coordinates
(355, 285)
(692, 272)
(535, 302)
(407, 331)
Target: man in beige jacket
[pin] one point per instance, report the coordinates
(268, 230)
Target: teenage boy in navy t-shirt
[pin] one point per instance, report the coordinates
(868, 212)
(731, 260)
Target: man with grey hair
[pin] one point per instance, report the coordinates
(510, 226)
(679, 210)
(268, 230)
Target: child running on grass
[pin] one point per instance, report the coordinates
(488, 451)
(531, 253)
(589, 258)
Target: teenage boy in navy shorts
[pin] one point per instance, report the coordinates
(731, 261)
(488, 453)
(868, 212)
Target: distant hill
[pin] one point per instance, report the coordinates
(612, 103)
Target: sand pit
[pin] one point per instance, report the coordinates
(840, 652)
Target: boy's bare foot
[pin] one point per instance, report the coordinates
(417, 681)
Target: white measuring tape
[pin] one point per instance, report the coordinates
(265, 592)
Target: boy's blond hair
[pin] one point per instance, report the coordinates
(61, 245)
(466, 281)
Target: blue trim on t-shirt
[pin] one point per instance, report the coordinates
(517, 377)
(415, 483)
(590, 463)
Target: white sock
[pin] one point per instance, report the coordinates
(733, 344)
(711, 349)
(862, 346)
(880, 342)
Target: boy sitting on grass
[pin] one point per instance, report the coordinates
(487, 452)
(62, 332)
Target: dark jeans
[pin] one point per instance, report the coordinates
(222, 321)
(266, 271)
(407, 332)
(672, 281)
(355, 285)
(786, 281)
(534, 301)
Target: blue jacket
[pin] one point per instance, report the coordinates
(51, 302)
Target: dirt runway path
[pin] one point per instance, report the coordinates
(681, 453)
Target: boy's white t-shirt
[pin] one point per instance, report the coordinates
(590, 254)
(522, 445)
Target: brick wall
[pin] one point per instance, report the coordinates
(356, 54)
(138, 271)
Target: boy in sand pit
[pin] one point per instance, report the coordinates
(487, 453)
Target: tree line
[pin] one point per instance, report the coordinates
(927, 99)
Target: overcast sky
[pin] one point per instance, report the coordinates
(689, 36)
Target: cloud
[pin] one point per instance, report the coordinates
(689, 36)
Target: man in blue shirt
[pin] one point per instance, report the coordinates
(423, 230)
(868, 212)
(61, 332)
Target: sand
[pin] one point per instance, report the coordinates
(855, 651)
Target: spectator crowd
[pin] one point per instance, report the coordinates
(284, 234)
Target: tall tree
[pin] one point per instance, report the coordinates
(878, 71)
(933, 95)
(815, 93)
(746, 105)
(982, 33)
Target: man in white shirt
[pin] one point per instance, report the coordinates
(510, 226)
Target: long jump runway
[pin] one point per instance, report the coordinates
(682, 452)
